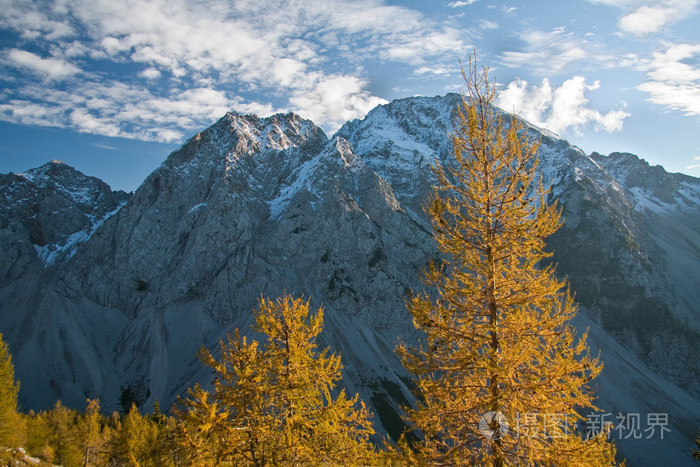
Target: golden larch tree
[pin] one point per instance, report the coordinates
(11, 423)
(502, 378)
(279, 405)
(230, 425)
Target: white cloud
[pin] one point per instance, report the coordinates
(548, 52)
(615, 3)
(109, 147)
(646, 20)
(486, 25)
(30, 20)
(678, 97)
(113, 46)
(49, 68)
(670, 65)
(150, 73)
(306, 55)
(434, 70)
(88, 123)
(559, 109)
(335, 99)
(117, 109)
(166, 135)
(673, 82)
(462, 3)
(644, 17)
(30, 113)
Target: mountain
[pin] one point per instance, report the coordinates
(116, 303)
(46, 212)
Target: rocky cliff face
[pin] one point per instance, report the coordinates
(253, 207)
(46, 211)
(630, 249)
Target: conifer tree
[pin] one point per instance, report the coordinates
(315, 426)
(39, 436)
(91, 436)
(139, 441)
(63, 435)
(501, 375)
(231, 424)
(11, 423)
(277, 406)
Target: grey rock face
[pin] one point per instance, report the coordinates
(45, 211)
(663, 325)
(194, 216)
(256, 207)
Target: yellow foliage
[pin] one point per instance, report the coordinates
(11, 423)
(497, 338)
(276, 406)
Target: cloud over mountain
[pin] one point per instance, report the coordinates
(207, 57)
(559, 109)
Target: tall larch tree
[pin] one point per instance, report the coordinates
(11, 423)
(279, 405)
(501, 376)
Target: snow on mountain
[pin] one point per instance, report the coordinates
(265, 206)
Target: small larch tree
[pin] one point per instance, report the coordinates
(502, 377)
(61, 422)
(278, 405)
(139, 440)
(11, 423)
(92, 437)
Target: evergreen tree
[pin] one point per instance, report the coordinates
(139, 441)
(165, 449)
(276, 406)
(233, 424)
(11, 423)
(91, 435)
(315, 427)
(63, 435)
(498, 347)
(38, 436)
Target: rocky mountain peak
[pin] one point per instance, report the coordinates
(650, 184)
(400, 140)
(277, 132)
(90, 193)
(46, 211)
(238, 140)
(211, 195)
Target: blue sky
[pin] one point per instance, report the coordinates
(112, 87)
